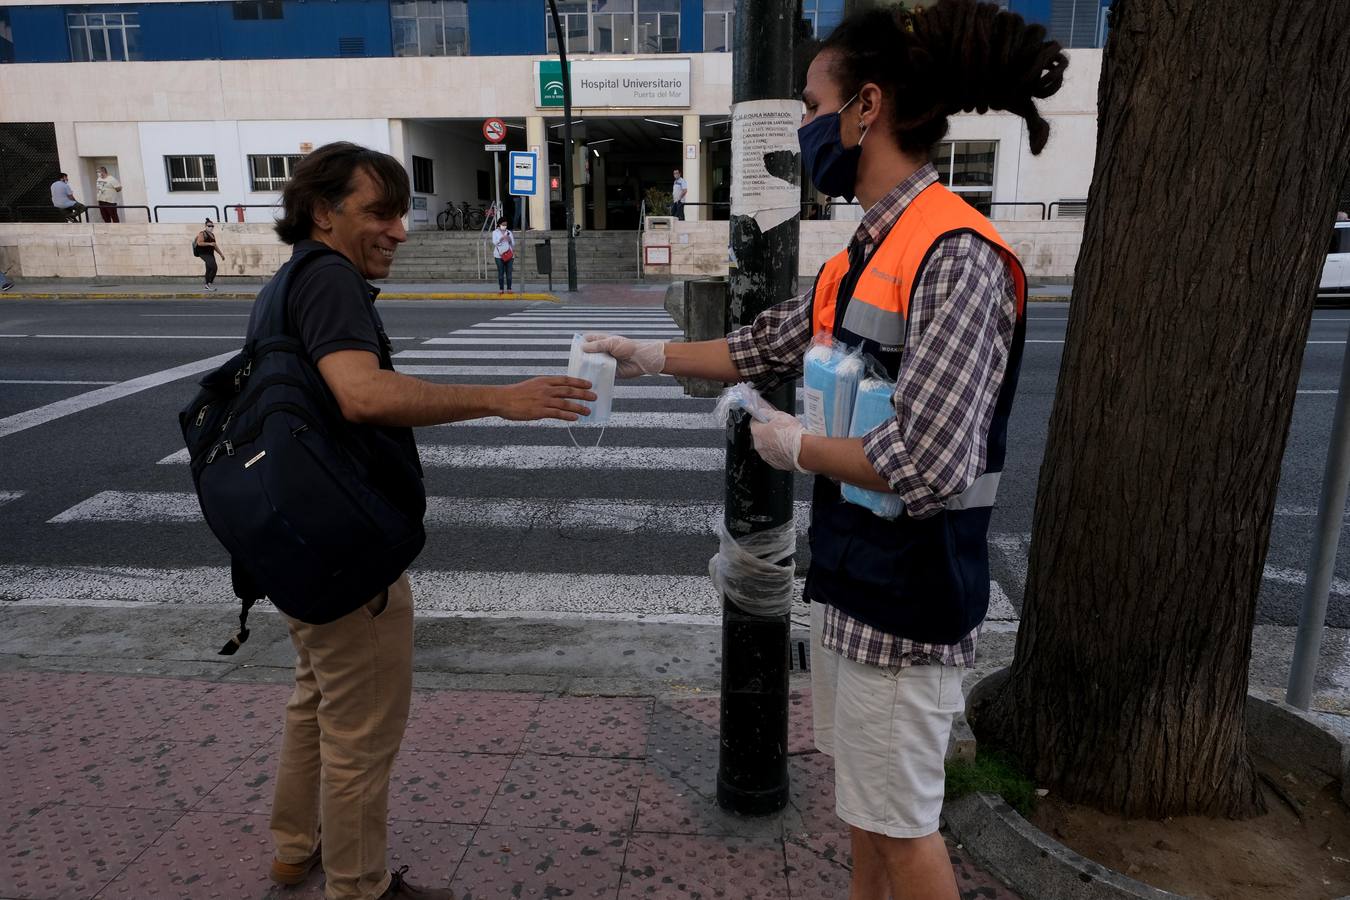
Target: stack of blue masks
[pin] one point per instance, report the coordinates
(872, 408)
(830, 379)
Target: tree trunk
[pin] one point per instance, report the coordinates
(1223, 137)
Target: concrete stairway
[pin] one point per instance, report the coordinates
(456, 256)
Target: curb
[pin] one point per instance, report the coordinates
(228, 295)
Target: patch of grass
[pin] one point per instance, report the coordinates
(992, 773)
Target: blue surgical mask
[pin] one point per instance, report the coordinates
(832, 167)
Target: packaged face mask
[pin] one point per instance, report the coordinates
(598, 369)
(830, 377)
(873, 407)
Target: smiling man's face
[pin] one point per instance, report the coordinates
(360, 230)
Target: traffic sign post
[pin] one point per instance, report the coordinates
(494, 130)
(523, 177)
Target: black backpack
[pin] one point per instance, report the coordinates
(319, 514)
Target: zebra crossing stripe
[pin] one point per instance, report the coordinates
(626, 516)
(6, 496)
(525, 326)
(528, 458)
(555, 332)
(621, 392)
(489, 354)
(695, 421)
(559, 341)
(671, 599)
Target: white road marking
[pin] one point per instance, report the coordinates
(489, 354)
(1296, 511)
(525, 326)
(80, 402)
(1317, 392)
(146, 337)
(520, 457)
(621, 392)
(1000, 607)
(13, 335)
(490, 370)
(1299, 578)
(513, 341)
(21, 381)
(675, 421)
(626, 516)
(194, 315)
(6, 496)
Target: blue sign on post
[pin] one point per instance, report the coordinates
(524, 180)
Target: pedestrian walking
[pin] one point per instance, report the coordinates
(353, 676)
(6, 283)
(205, 247)
(63, 198)
(678, 191)
(930, 290)
(504, 253)
(106, 188)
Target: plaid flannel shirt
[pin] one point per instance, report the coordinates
(961, 322)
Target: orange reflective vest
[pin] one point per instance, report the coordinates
(923, 579)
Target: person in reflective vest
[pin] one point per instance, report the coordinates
(930, 291)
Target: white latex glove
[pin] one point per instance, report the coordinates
(779, 441)
(634, 357)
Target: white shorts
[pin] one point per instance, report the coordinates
(887, 730)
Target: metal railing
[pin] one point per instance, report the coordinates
(987, 207)
(94, 209)
(49, 214)
(242, 216)
(211, 206)
(1078, 209)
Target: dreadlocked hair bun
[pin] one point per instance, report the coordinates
(954, 56)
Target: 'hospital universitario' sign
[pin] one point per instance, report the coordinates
(599, 83)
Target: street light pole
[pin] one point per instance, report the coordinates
(568, 162)
(766, 194)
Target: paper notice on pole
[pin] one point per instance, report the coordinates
(765, 161)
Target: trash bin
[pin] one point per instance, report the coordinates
(543, 256)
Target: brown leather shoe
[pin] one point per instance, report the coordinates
(291, 874)
(400, 888)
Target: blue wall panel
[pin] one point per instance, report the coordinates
(691, 26)
(39, 34)
(1037, 11)
(178, 31)
(507, 28)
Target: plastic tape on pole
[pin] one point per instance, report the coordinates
(873, 407)
(747, 573)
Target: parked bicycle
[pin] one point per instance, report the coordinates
(449, 218)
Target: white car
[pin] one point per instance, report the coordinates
(1336, 271)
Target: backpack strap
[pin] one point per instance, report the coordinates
(273, 321)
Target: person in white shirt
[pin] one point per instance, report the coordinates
(63, 198)
(503, 253)
(677, 195)
(107, 187)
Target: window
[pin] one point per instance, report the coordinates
(617, 26)
(430, 27)
(967, 168)
(191, 173)
(270, 173)
(1078, 23)
(424, 181)
(719, 25)
(823, 15)
(96, 37)
(257, 9)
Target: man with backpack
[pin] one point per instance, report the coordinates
(342, 213)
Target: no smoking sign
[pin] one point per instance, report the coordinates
(494, 130)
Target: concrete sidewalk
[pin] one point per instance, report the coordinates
(147, 787)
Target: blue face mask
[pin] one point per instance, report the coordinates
(832, 167)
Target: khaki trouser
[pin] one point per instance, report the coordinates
(344, 724)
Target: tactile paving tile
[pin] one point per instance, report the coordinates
(143, 774)
(244, 713)
(249, 788)
(72, 851)
(445, 787)
(538, 863)
(680, 743)
(702, 867)
(686, 803)
(590, 726)
(575, 793)
(811, 787)
(814, 876)
(704, 708)
(432, 851)
(84, 707)
(206, 856)
(801, 734)
(469, 721)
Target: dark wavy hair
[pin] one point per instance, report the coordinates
(326, 175)
(954, 56)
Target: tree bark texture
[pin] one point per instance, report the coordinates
(1223, 136)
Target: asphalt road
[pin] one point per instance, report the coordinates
(95, 509)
